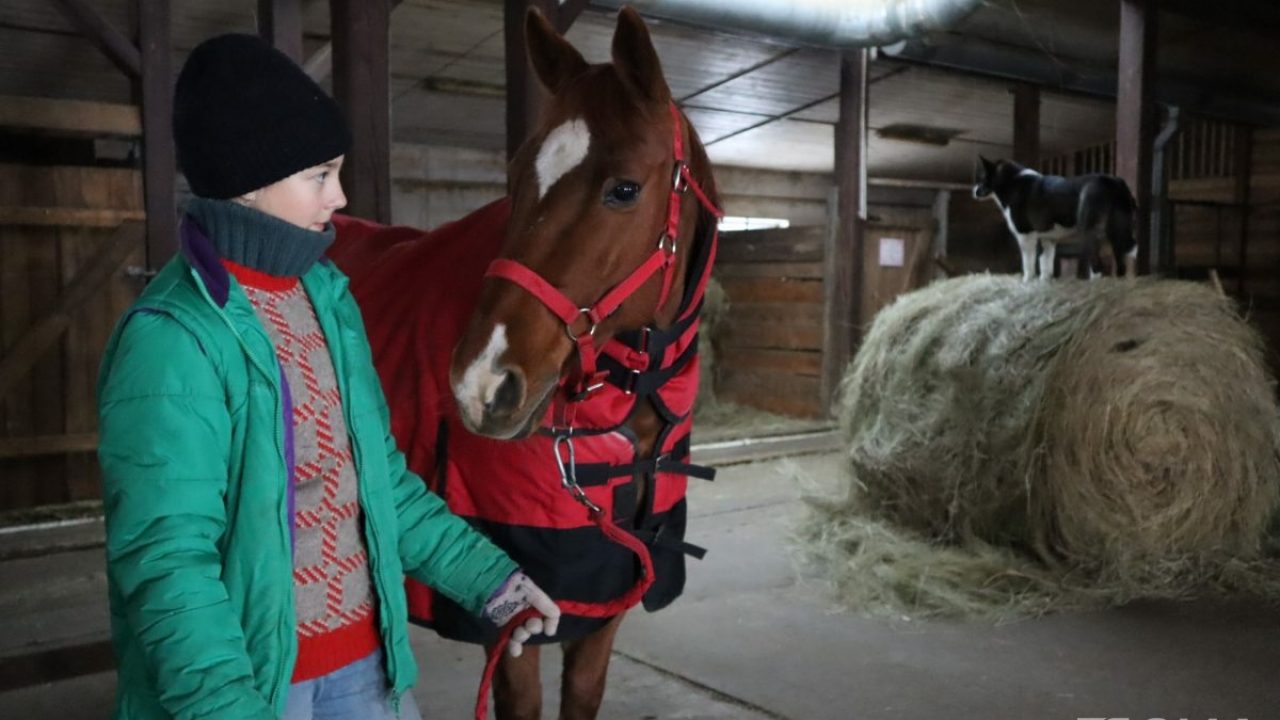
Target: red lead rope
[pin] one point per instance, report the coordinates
(623, 602)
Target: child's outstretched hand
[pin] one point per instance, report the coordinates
(511, 598)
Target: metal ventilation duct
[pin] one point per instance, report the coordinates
(827, 23)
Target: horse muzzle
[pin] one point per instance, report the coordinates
(498, 404)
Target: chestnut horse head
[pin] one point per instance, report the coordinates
(599, 241)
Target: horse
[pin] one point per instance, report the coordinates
(539, 356)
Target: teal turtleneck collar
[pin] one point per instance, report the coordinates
(256, 240)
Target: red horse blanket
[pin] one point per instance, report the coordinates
(417, 291)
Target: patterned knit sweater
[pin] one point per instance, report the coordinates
(333, 594)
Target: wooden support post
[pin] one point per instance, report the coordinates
(362, 86)
(1243, 166)
(1026, 125)
(525, 95)
(320, 65)
(280, 23)
(109, 40)
(1135, 117)
(159, 166)
(843, 257)
(74, 116)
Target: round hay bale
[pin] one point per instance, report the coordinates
(1104, 440)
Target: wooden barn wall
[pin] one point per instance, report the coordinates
(432, 185)
(1261, 286)
(1207, 222)
(769, 350)
(53, 220)
(978, 239)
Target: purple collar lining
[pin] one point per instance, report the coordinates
(199, 252)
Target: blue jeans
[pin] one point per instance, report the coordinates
(358, 691)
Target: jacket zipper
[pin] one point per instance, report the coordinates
(374, 543)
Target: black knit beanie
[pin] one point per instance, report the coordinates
(246, 116)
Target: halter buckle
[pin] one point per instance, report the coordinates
(678, 182)
(663, 239)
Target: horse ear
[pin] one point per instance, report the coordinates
(634, 57)
(554, 59)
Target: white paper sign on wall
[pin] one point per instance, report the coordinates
(893, 252)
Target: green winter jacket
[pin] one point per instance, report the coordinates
(197, 493)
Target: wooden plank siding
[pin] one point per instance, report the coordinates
(48, 418)
(1261, 278)
(771, 345)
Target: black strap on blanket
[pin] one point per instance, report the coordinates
(658, 539)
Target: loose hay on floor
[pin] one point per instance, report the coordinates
(1022, 447)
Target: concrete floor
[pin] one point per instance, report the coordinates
(751, 640)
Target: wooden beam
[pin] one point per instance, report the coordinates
(362, 86)
(53, 664)
(159, 161)
(842, 260)
(46, 445)
(730, 452)
(43, 333)
(320, 65)
(1026, 124)
(280, 23)
(66, 217)
(1135, 116)
(525, 95)
(102, 33)
(72, 116)
(1234, 15)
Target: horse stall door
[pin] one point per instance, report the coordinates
(769, 352)
(65, 238)
(895, 260)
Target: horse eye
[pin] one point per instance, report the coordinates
(622, 194)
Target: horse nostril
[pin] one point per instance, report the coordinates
(509, 394)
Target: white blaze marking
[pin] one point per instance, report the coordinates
(562, 151)
(481, 380)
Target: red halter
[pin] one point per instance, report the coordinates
(589, 378)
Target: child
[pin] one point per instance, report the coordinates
(260, 519)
